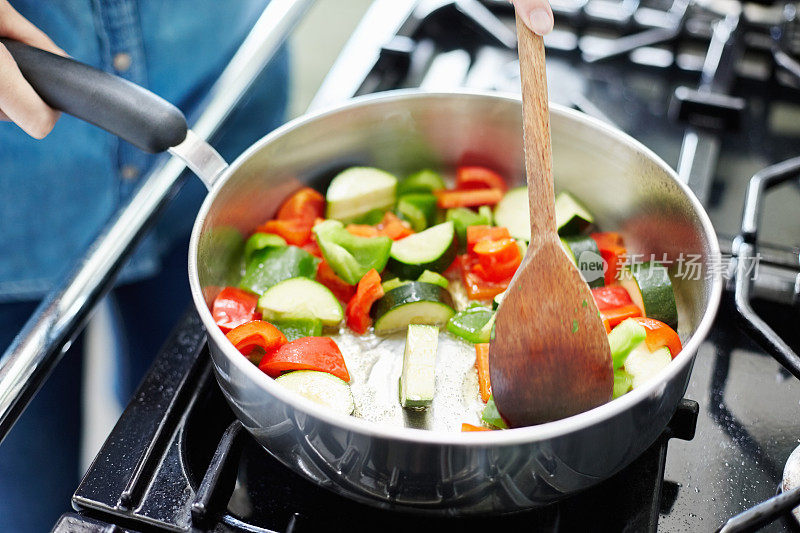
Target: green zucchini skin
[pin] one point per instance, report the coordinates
(390, 312)
(408, 270)
(651, 289)
(591, 264)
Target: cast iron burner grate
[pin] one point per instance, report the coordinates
(178, 460)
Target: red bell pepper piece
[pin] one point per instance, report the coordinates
(660, 334)
(469, 198)
(612, 251)
(256, 334)
(312, 247)
(363, 230)
(296, 231)
(357, 312)
(498, 259)
(470, 427)
(473, 177)
(610, 297)
(337, 285)
(475, 234)
(391, 226)
(233, 307)
(307, 353)
(305, 204)
(616, 315)
(482, 366)
(477, 286)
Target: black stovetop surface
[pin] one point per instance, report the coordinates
(153, 471)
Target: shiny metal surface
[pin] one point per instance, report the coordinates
(38, 347)
(625, 185)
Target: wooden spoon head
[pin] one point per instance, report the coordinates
(550, 357)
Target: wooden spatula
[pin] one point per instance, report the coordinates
(549, 358)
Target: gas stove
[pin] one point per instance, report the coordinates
(712, 87)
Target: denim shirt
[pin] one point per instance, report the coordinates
(56, 194)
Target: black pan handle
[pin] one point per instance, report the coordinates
(118, 106)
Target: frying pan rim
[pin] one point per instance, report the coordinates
(509, 437)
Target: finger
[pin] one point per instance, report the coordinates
(20, 103)
(536, 14)
(17, 27)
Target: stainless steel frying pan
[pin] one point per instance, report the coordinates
(624, 184)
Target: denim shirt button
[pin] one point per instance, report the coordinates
(121, 62)
(130, 172)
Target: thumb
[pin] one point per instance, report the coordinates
(536, 14)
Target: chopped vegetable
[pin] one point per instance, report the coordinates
(476, 234)
(412, 303)
(339, 287)
(432, 277)
(622, 383)
(419, 209)
(305, 204)
(417, 379)
(349, 256)
(309, 353)
(357, 191)
(624, 338)
(301, 298)
(492, 416)
(476, 286)
(270, 266)
(433, 249)
(297, 328)
(651, 290)
(233, 307)
(643, 365)
(497, 299)
(322, 388)
(470, 427)
(615, 315)
(610, 297)
(613, 252)
(660, 334)
(571, 215)
(259, 241)
(498, 259)
(422, 181)
(295, 231)
(256, 334)
(393, 284)
(468, 198)
(513, 212)
(482, 366)
(368, 291)
(586, 256)
(461, 217)
(479, 178)
(469, 324)
(394, 228)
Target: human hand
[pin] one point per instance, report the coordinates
(536, 14)
(19, 103)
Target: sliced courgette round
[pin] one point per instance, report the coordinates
(572, 217)
(433, 249)
(651, 290)
(513, 212)
(586, 256)
(300, 298)
(357, 191)
(320, 387)
(415, 302)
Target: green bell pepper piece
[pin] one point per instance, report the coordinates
(626, 336)
(259, 241)
(622, 383)
(463, 217)
(271, 265)
(351, 256)
(486, 212)
(422, 181)
(492, 416)
(371, 218)
(297, 328)
(419, 209)
(413, 215)
(435, 278)
(471, 324)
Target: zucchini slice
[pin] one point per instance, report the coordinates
(651, 290)
(300, 298)
(357, 191)
(497, 300)
(513, 212)
(643, 365)
(417, 379)
(433, 249)
(415, 302)
(585, 254)
(320, 387)
(571, 215)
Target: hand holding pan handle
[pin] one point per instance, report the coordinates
(118, 106)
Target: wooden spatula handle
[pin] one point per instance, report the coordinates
(536, 128)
